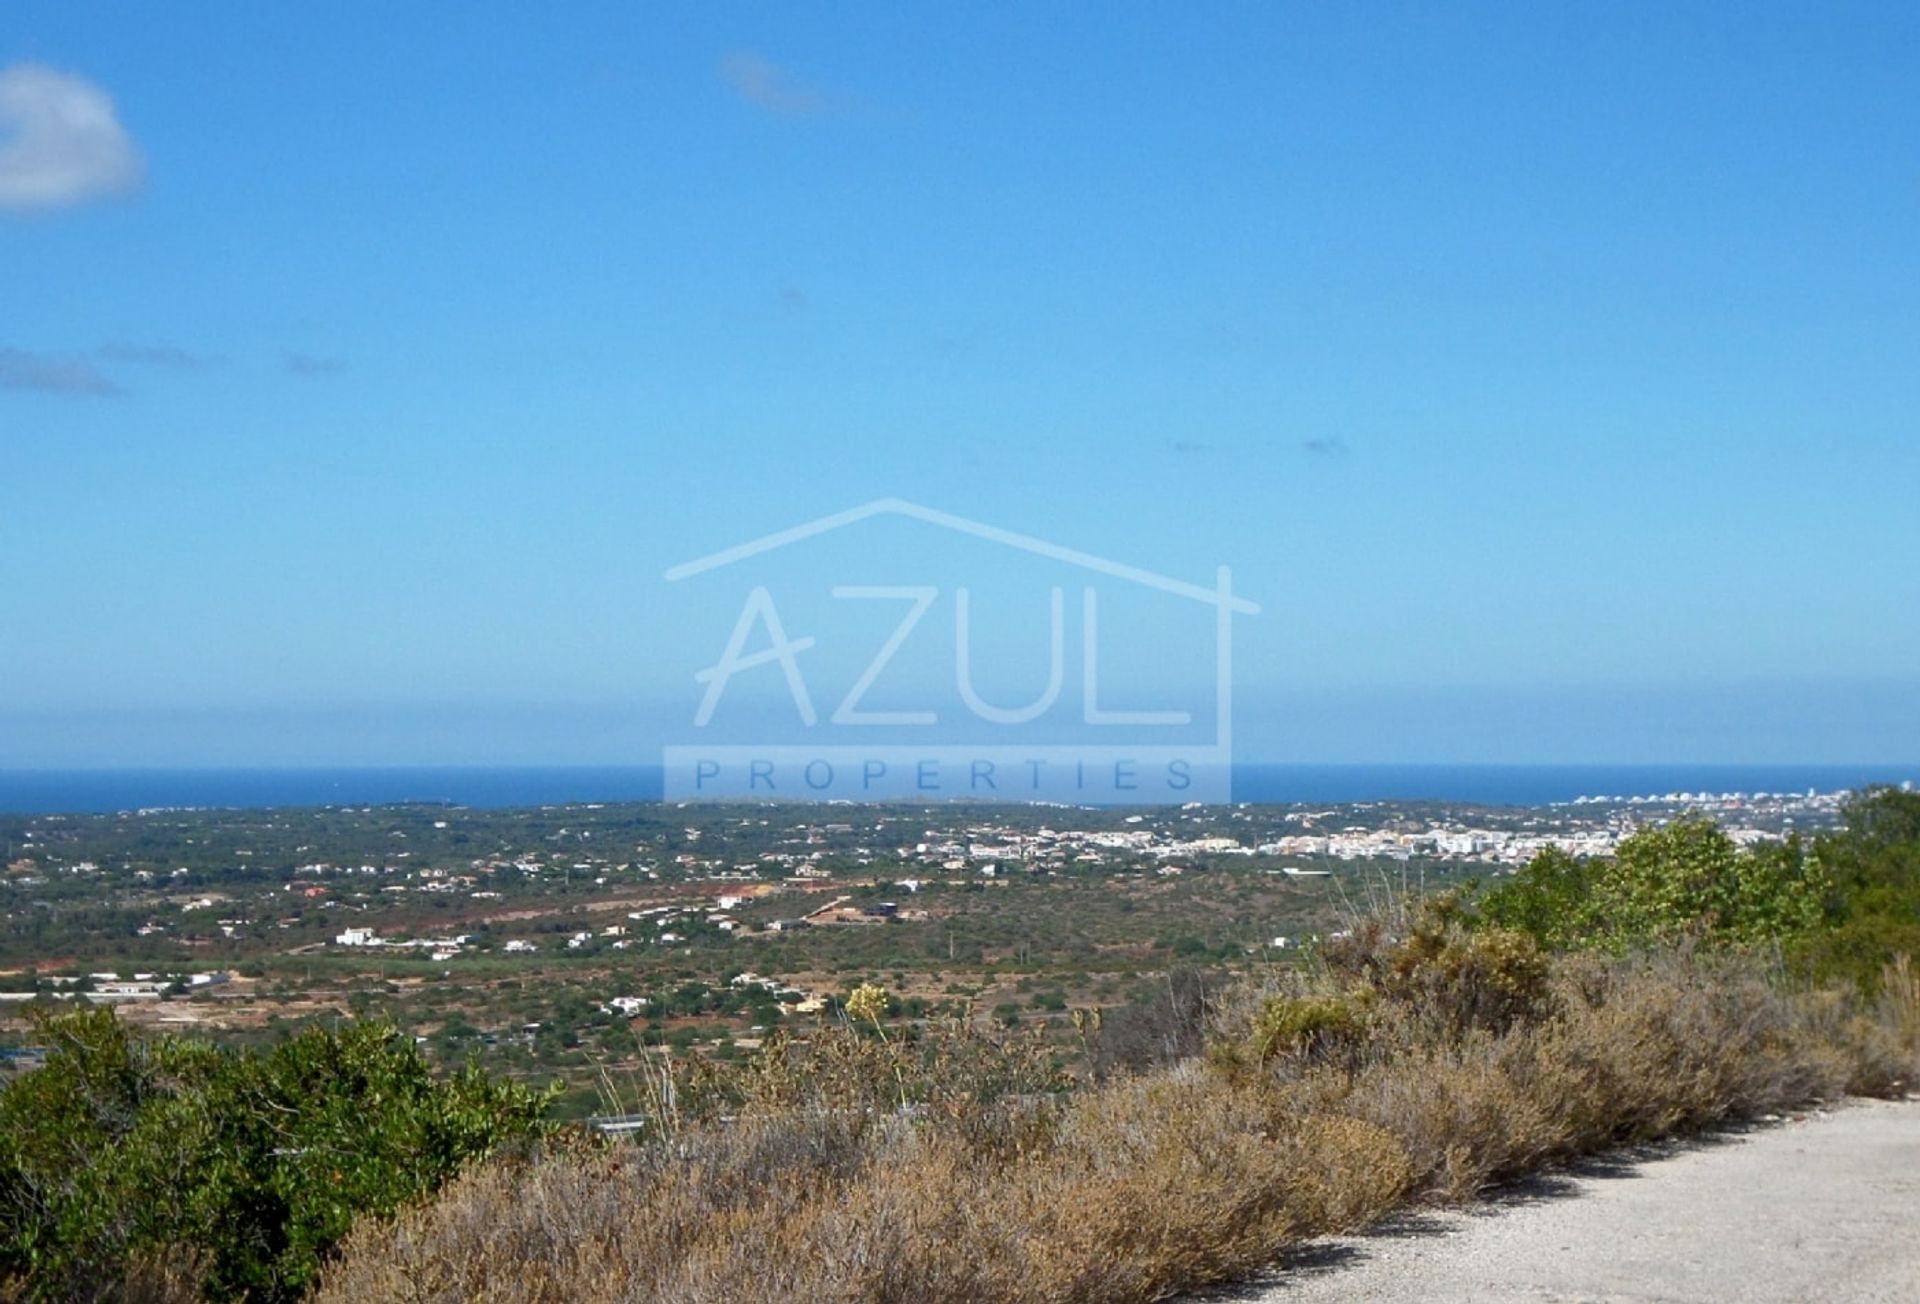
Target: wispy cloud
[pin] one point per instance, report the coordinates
(1332, 446)
(61, 143)
(759, 80)
(49, 374)
(306, 364)
(152, 355)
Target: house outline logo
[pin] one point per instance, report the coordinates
(1226, 604)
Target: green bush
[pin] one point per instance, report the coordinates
(1873, 867)
(1550, 900)
(1308, 1026)
(1681, 881)
(248, 1166)
(1840, 908)
(1689, 878)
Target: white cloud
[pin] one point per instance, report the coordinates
(307, 364)
(153, 355)
(77, 377)
(60, 143)
(765, 83)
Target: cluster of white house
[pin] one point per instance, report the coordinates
(114, 989)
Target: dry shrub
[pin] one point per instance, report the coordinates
(175, 1274)
(951, 1069)
(1878, 1041)
(1427, 958)
(1350, 1172)
(1900, 1000)
(720, 1210)
(1648, 1048)
(1316, 1028)
(1146, 1187)
(857, 1168)
(1459, 1116)
(1180, 1179)
(1634, 1051)
(1162, 1028)
(1596, 1052)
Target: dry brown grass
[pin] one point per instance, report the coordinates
(1900, 999)
(1469, 1064)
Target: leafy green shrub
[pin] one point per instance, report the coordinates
(1689, 878)
(120, 1153)
(1550, 900)
(1873, 867)
(1306, 1026)
(1681, 881)
(1841, 908)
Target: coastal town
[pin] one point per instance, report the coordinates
(763, 867)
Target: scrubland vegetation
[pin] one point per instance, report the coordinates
(1440, 1046)
(129, 1166)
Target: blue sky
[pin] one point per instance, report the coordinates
(1547, 372)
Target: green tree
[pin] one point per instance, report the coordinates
(1684, 880)
(1873, 866)
(1688, 878)
(1551, 900)
(255, 1164)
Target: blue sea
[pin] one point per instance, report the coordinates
(78, 791)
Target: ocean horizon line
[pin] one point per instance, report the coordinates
(96, 790)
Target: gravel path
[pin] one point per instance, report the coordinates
(1824, 1206)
